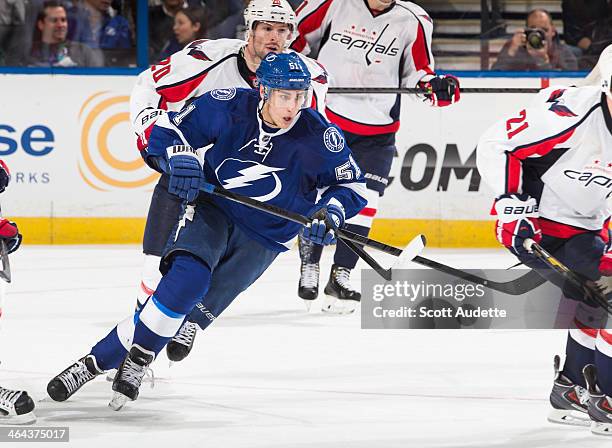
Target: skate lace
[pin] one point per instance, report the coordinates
(343, 278)
(310, 275)
(77, 375)
(8, 398)
(583, 395)
(132, 372)
(186, 334)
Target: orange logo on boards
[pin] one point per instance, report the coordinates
(108, 159)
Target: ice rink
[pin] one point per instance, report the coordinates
(268, 374)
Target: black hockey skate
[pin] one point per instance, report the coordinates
(129, 376)
(308, 287)
(16, 407)
(64, 385)
(341, 297)
(600, 405)
(569, 400)
(181, 344)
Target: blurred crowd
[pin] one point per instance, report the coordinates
(97, 33)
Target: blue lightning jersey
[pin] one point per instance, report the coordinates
(288, 168)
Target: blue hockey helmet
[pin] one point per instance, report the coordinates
(284, 71)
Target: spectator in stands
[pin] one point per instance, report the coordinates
(189, 25)
(587, 26)
(224, 18)
(12, 29)
(519, 54)
(161, 22)
(97, 24)
(50, 46)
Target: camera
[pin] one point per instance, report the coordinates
(535, 38)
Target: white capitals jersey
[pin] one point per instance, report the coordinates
(558, 150)
(361, 49)
(202, 66)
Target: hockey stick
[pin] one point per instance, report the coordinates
(5, 273)
(590, 292)
(521, 285)
(296, 217)
(419, 91)
(516, 287)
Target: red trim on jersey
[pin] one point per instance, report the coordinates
(148, 291)
(178, 92)
(420, 51)
(541, 148)
(606, 336)
(590, 332)
(360, 128)
(368, 212)
(565, 231)
(310, 23)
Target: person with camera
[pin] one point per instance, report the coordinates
(536, 47)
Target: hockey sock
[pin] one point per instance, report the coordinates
(603, 361)
(149, 279)
(309, 251)
(344, 256)
(579, 352)
(178, 291)
(109, 352)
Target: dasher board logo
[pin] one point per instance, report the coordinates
(250, 178)
(223, 94)
(108, 158)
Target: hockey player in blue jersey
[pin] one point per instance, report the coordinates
(265, 144)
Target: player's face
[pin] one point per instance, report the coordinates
(380, 5)
(55, 26)
(282, 107)
(269, 37)
(184, 29)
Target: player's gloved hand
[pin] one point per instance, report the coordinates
(605, 265)
(442, 90)
(517, 220)
(186, 175)
(5, 176)
(325, 221)
(10, 234)
(143, 125)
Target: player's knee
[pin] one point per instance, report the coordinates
(185, 283)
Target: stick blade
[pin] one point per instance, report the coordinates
(412, 249)
(5, 273)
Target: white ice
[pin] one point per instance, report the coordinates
(267, 374)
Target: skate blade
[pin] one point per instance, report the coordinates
(601, 429)
(24, 419)
(118, 401)
(569, 417)
(331, 305)
(307, 304)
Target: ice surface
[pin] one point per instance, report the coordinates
(267, 374)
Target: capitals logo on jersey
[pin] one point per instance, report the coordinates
(371, 42)
(249, 178)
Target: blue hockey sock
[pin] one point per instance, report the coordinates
(179, 290)
(109, 352)
(604, 372)
(576, 357)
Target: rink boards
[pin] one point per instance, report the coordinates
(77, 178)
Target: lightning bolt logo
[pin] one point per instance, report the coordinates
(250, 175)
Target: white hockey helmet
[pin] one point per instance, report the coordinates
(269, 11)
(605, 70)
